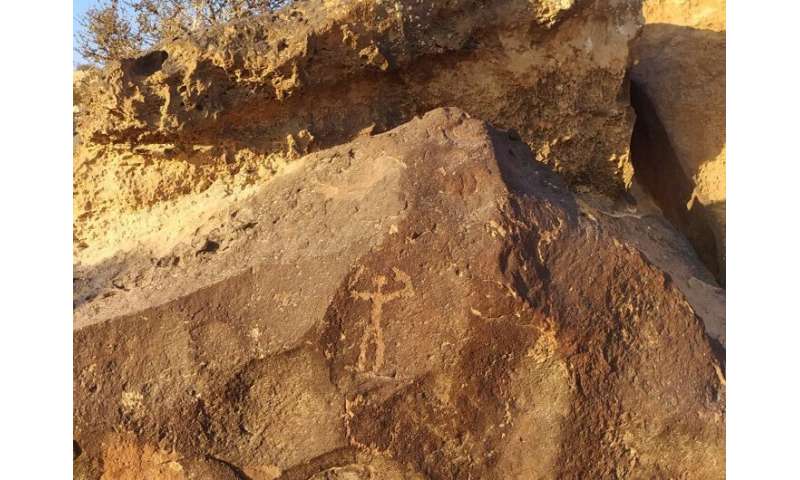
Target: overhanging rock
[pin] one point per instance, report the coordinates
(320, 72)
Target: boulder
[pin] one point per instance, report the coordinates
(428, 302)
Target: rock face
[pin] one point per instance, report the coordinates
(429, 302)
(227, 109)
(316, 76)
(295, 258)
(679, 76)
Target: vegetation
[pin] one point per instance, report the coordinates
(123, 28)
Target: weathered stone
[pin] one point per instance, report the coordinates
(679, 73)
(552, 70)
(428, 303)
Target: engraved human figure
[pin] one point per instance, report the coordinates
(373, 331)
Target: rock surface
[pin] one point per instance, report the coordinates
(425, 303)
(223, 111)
(291, 263)
(679, 69)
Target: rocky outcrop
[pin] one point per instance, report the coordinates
(679, 76)
(429, 302)
(226, 109)
(317, 75)
(295, 258)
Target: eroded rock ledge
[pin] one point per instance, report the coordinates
(196, 125)
(321, 72)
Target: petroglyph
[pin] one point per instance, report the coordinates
(373, 331)
(546, 237)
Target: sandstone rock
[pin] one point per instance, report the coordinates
(698, 14)
(286, 269)
(643, 226)
(679, 71)
(223, 111)
(425, 303)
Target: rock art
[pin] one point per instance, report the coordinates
(406, 240)
(429, 302)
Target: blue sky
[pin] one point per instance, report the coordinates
(79, 7)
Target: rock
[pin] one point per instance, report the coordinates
(643, 227)
(679, 76)
(429, 302)
(221, 111)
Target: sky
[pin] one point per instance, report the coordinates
(79, 7)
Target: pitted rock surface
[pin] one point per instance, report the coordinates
(429, 302)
